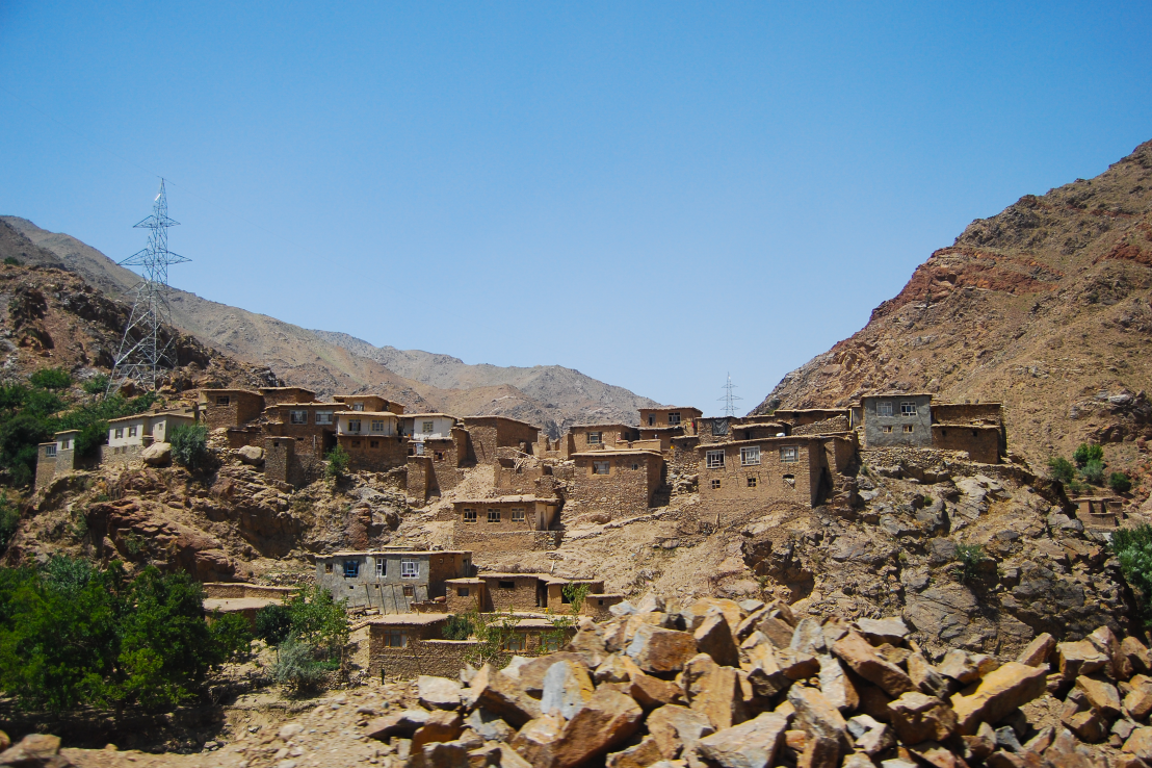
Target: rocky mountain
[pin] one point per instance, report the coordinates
(1044, 307)
(551, 396)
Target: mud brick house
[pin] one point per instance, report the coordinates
(976, 428)
(419, 427)
(371, 439)
(814, 421)
(436, 458)
(593, 437)
(754, 430)
(616, 482)
(312, 425)
(914, 421)
(744, 474)
(286, 395)
(507, 524)
(229, 408)
(892, 420)
(488, 433)
(128, 436)
(56, 457)
(372, 403)
(502, 592)
(390, 581)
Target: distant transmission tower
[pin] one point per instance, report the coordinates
(730, 398)
(142, 350)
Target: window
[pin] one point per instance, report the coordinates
(119, 432)
(750, 456)
(409, 591)
(428, 426)
(323, 417)
(789, 453)
(715, 483)
(409, 569)
(419, 449)
(223, 400)
(65, 444)
(131, 433)
(886, 429)
(751, 481)
(515, 641)
(462, 592)
(790, 480)
(377, 425)
(438, 455)
(351, 569)
(518, 515)
(394, 638)
(469, 515)
(374, 443)
(506, 584)
(601, 467)
(907, 409)
(715, 459)
(353, 425)
(381, 567)
(493, 515)
(651, 419)
(357, 406)
(883, 409)
(298, 417)
(635, 467)
(907, 429)
(673, 419)
(327, 567)
(595, 438)
(50, 451)
(549, 643)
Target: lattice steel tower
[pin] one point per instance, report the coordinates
(729, 398)
(143, 350)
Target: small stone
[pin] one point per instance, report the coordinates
(982, 743)
(441, 725)
(1079, 658)
(675, 727)
(892, 630)
(1038, 651)
(288, 731)
(644, 754)
(1102, 696)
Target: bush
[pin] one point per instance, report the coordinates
(1133, 548)
(338, 459)
(575, 594)
(9, 521)
(970, 556)
(273, 624)
(190, 446)
(319, 621)
(1061, 470)
(96, 385)
(458, 627)
(1085, 453)
(12, 261)
(296, 666)
(50, 378)
(1093, 472)
(1120, 482)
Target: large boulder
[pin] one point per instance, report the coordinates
(438, 692)
(157, 455)
(606, 720)
(661, 651)
(752, 744)
(999, 694)
(865, 661)
(250, 455)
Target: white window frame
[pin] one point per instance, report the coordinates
(381, 567)
(750, 456)
(50, 451)
(324, 417)
(674, 419)
(378, 425)
(595, 438)
(429, 427)
(119, 433)
(789, 454)
(409, 569)
(298, 417)
(518, 514)
(131, 432)
(714, 459)
(470, 515)
(908, 408)
(605, 465)
(884, 408)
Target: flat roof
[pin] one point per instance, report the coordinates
(421, 415)
(536, 576)
(313, 404)
(507, 500)
(965, 425)
(226, 604)
(759, 440)
(464, 580)
(236, 390)
(897, 394)
(399, 552)
(600, 426)
(505, 418)
(673, 408)
(409, 619)
(286, 389)
(155, 415)
(349, 397)
(66, 432)
(367, 413)
(759, 424)
(808, 410)
(614, 452)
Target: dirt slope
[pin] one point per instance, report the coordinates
(1044, 307)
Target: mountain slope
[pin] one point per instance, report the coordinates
(1044, 307)
(332, 363)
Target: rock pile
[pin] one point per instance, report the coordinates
(738, 685)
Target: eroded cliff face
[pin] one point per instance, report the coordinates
(1046, 307)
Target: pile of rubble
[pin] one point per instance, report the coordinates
(739, 685)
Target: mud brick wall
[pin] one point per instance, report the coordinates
(224, 589)
(626, 490)
(242, 408)
(682, 457)
(508, 542)
(401, 663)
(522, 480)
(421, 483)
(512, 593)
(375, 454)
(286, 395)
(282, 463)
(770, 477)
(124, 454)
(45, 465)
(825, 427)
(966, 412)
(240, 437)
(488, 434)
(473, 600)
(981, 443)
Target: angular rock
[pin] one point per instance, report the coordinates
(820, 753)
(567, 687)
(1087, 725)
(764, 673)
(858, 760)
(1038, 651)
(441, 755)
(500, 695)
(438, 692)
(35, 749)
(1065, 752)
(817, 716)
(651, 692)
(661, 651)
(892, 630)
(531, 673)
(1119, 668)
(933, 754)
(1138, 702)
(641, 755)
(960, 665)
(1077, 658)
(874, 702)
(714, 637)
(1139, 743)
(157, 455)
(835, 684)
(713, 691)
(607, 720)
(917, 717)
(998, 695)
(797, 665)
(1137, 654)
(870, 735)
(808, 637)
(534, 741)
(441, 725)
(982, 743)
(677, 728)
(859, 654)
(402, 723)
(752, 744)
(250, 455)
(778, 631)
(488, 726)
(1102, 696)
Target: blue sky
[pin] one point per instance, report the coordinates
(653, 193)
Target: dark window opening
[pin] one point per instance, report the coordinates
(462, 592)
(506, 584)
(409, 591)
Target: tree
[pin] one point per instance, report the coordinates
(1120, 482)
(1086, 453)
(338, 459)
(319, 621)
(1060, 469)
(190, 446)
(273, 624)
(9, 521)
(1133, 548)
(96, 385)
(1093, 472)
(51, 378)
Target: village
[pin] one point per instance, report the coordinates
(607, 471)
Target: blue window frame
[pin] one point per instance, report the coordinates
(351, 569)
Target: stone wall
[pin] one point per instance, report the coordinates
(282, 463)
(966, 412)
(736, 487)
(121, 454)
(920, 423)
(242, 407)
(626, 490)
(488, 433)
(980, 442)
(513, 592)
(45, 465)
(227, 589)
(421, 479)
(374, 454)
(825, 427)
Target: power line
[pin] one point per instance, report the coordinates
(729, 398)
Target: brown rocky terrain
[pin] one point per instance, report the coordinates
(331, 363)
(1044, 307)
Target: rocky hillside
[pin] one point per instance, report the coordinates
(1044, 307)
(330, 363)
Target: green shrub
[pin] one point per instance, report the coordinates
(190, 446)
(1133, 548)
(296, 666)
(1060, 469)
(9, 521)
(232, 635)
(319, 621)
(1085, 453)
(970, 556)
(458, 627)
(51, 378)
(338, 459)
(273, 624)
(96, 385)
(1093, 472)
(575, 593)
(12, 261)
(1120, 482)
